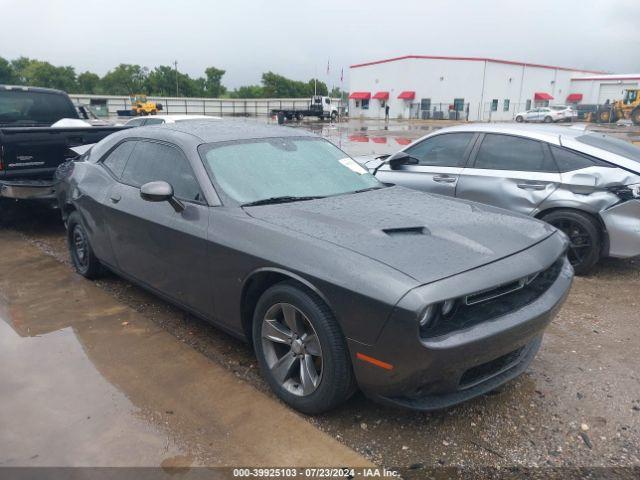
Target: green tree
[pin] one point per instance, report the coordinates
(43, 74)
(213, 82)
(248, 91)
(125, 79)
(7, 74)
(88, 82)
(19, 65)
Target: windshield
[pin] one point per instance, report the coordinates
(27, 107)
(611, 144)
(252, 170)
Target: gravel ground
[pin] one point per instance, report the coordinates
(578, 405)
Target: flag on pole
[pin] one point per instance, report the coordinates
(327, 67)
(341, 74)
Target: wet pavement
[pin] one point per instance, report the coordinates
(578, 405)
(88, 381)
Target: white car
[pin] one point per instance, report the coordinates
(556, 113)
(160, 119)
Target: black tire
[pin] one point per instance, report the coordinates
(519, 119)
(336, 380)
(82, 257)
(299, 117)
(605, 116)
(585, 235)
(635, 116)
(548, 119)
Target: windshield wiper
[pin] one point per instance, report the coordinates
(368, 189)
(283, 199)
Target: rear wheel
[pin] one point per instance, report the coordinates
(299, 117)
(604, 116)
(584, 236)
(635, 116)
(519, 119)
(82, 257)
(301, 350)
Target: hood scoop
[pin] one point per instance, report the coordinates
(406, 231)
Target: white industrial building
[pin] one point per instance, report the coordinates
(420, 86)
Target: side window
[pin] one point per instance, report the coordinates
(446, 150)
(152, 161)
(117, 159)
(505, 152)
(153, 121)
(568, 161)
(136, 122)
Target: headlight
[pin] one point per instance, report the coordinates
(627, 192)
(433, 313)
(428, 315)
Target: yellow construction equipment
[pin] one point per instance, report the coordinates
(628, 108)
(141, 106)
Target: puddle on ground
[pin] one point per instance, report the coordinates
(88, 381)
(56, 408)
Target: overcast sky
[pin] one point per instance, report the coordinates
(297, 37)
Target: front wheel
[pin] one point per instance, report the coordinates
(548, 119)
(83, 259)
(635, 116)
(301, 350)
(519, 119)
(584, 237)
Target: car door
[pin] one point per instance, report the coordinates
(152, 242)
(511, 172)
(532, 115)
(441, 158)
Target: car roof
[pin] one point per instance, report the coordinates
(32, 89)
(224, 130)
(547, 133)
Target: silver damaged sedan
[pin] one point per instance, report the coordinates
(585, 183)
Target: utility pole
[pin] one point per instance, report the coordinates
(175, 63)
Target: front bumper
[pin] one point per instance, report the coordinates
(438, 372)
(623, 228)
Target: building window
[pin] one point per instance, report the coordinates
(365, 104)
(494, 105)
(425, 104)
(357, 103)
(528, 107)
(458, 104)
(505, 107)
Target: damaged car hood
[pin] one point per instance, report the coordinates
(425, 236)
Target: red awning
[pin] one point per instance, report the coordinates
(403, 140)
(360, 95)
(574, 97)
(542, 96)
(379, 139)
(408, 95)
(359, 138)
(381, 96)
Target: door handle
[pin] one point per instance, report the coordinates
(444, 179)
(532, 186)
(115, 198)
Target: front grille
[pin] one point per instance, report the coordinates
(496, 302)
(482, 372)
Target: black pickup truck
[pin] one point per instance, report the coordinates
(30, 149)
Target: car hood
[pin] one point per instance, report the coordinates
(425, 236)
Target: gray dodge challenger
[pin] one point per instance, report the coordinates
(339, 281)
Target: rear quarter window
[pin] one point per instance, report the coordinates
(568, 160)
(117, 159)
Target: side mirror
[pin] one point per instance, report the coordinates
(401, 158)
(160, 191)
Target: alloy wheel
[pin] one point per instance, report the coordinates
(580, 240)
(292, 349)
(80, 246)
